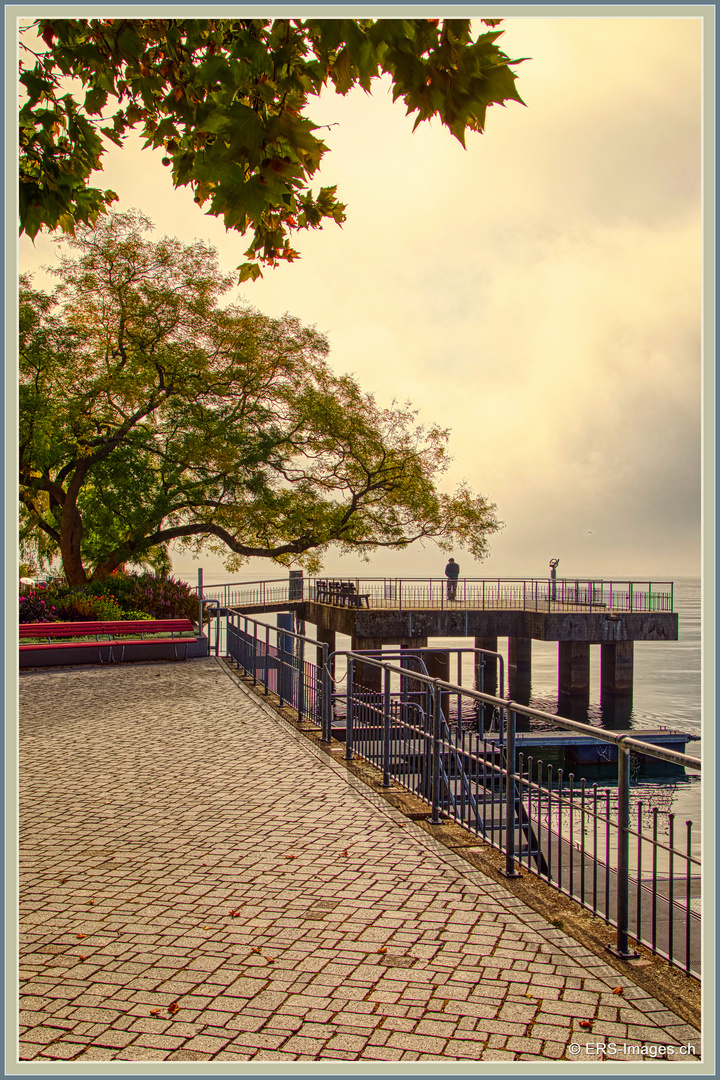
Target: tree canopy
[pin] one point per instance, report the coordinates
(151, 414)
(227, 101)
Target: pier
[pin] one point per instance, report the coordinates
(404, 613)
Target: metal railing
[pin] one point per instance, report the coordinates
(432, 737)
(482, 594)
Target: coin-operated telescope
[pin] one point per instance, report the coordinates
(553, 574)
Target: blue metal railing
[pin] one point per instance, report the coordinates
(568, 833)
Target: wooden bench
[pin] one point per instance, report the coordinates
(343, 593)
(108, 636)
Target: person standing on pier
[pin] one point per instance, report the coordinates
(452, 573)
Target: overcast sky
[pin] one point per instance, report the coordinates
(538, 293)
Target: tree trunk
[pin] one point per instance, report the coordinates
(70, 540)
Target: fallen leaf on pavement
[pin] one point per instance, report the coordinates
(345, 852)
(82, 957)
(383, 949)
(269, 959)
(585, 1023)
(289, 856)
(79, 936)
(154, 1012)
(173, 1008)
(618, 990)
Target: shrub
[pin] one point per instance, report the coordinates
(34, 607)
(163, 598)
(121, 596)
(89, 608)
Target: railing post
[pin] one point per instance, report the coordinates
(437, 701)
(349, 709)
(325, 695)
(300, 655)
(386, 731)
(510, 795)
(622, 948)
(254, 652)
(267, 659)
(200, 598)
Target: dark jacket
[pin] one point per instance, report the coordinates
(452, 570)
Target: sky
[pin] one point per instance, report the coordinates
(538, 293)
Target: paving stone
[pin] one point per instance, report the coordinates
(155, 807)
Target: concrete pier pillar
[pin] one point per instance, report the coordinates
(438, 667)
(519, 669)
(486, 680)
(616, 681)
(410, 685)
(367, 675)
(574, 679)
(327, 636)
(486, 674)
(616, 668)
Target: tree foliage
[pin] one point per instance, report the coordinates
(151, 414)
(226, 100)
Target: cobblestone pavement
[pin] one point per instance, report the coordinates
(199, 883)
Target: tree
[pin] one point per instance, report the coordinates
(150, 414)
(226, 100)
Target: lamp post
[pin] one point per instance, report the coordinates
(553, 573)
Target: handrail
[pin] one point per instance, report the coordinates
(479, 593)
(673, 756)
(291, 678)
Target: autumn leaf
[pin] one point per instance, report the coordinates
(585, 1023)
(269, 959)
(382, 949)
(173, 1007)
(618, 990)
(79, 936)
(82, 957)
(154, 1012)
(289, 856)
(345, 852)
